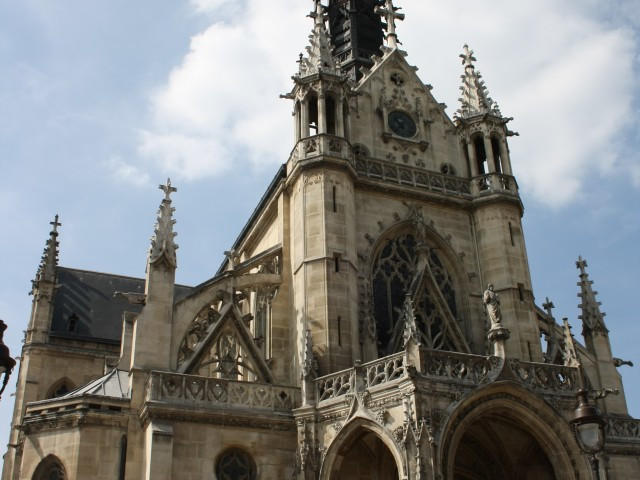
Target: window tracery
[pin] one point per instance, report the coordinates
(235, 464)
(394, 274)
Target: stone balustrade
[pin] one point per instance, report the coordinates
(459, 367)
(324, 144)
(368, 375)
(413, 177)
(494, 183)
(215, 392)
(545, 377)
(624, 429)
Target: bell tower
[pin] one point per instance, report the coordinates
(356, 34)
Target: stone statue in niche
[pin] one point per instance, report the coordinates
(492, 301)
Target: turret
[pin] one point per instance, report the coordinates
(43, 289)
(481, 126)
(152, 329)
(321, 90)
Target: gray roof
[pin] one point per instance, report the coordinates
(114, 384)
(89, 296)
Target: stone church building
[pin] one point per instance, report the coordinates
(374, 319)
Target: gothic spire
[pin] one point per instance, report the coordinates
(49, 262)
(570, 353)
(319, 57)
(475, 98)
(163, 247)
(389, 12)
(592, 318)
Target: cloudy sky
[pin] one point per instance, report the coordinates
(100, 101)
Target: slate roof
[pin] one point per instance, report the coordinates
(89, 296)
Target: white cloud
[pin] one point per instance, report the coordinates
(221, 105)
(559, 68)
(125, 172)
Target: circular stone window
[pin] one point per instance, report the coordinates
(235, 464)
(402, 124)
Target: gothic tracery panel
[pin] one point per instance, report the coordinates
(235, 464)
(394, 273)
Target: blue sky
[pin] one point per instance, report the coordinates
(100, 101)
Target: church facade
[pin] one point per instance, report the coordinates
(374, 319)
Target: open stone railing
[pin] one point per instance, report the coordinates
(413, 177)
(215, 392)
(494, 183)
(545, 378)
(459, 367)
(622, 428)
(369, 375)
(323, 144)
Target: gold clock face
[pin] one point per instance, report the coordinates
(402, 124)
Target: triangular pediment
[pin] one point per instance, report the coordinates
(220, 344)
(392, 72)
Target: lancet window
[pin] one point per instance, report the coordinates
(397, 272)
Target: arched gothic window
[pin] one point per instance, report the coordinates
(235, 464)
(50, 469)
(395, 274)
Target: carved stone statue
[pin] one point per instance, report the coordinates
(492, 301)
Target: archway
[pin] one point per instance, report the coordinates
(496, 448)
(363, 450)
(504, 431)
(364, 457)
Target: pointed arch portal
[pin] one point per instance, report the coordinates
(364, 456)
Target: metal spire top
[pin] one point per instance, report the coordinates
(163, 247)
(592, 318)
(49, 260)
(319, 53)
(391, 15)
(475, 98)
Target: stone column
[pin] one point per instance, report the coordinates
(491, 161)
(340, 118)
(473, 159)
(158, 451)
(504, 155)
(322, 114)
(304, 118)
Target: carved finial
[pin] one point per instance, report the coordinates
(168, 190)
(581, 264)
(549, 306)
(409, 319)
(389, 12)
(49, 262)
(591, 316)
(570, 354)
(475, 98)
(319, 57)
(163, 246)
(309, 363)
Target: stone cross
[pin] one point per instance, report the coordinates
(55, 224)
(582, 265)
(467, 57)
(167, 189)
(549, 306)
(319, 14)
(390, 12)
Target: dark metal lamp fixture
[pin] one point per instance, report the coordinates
(6, 361)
